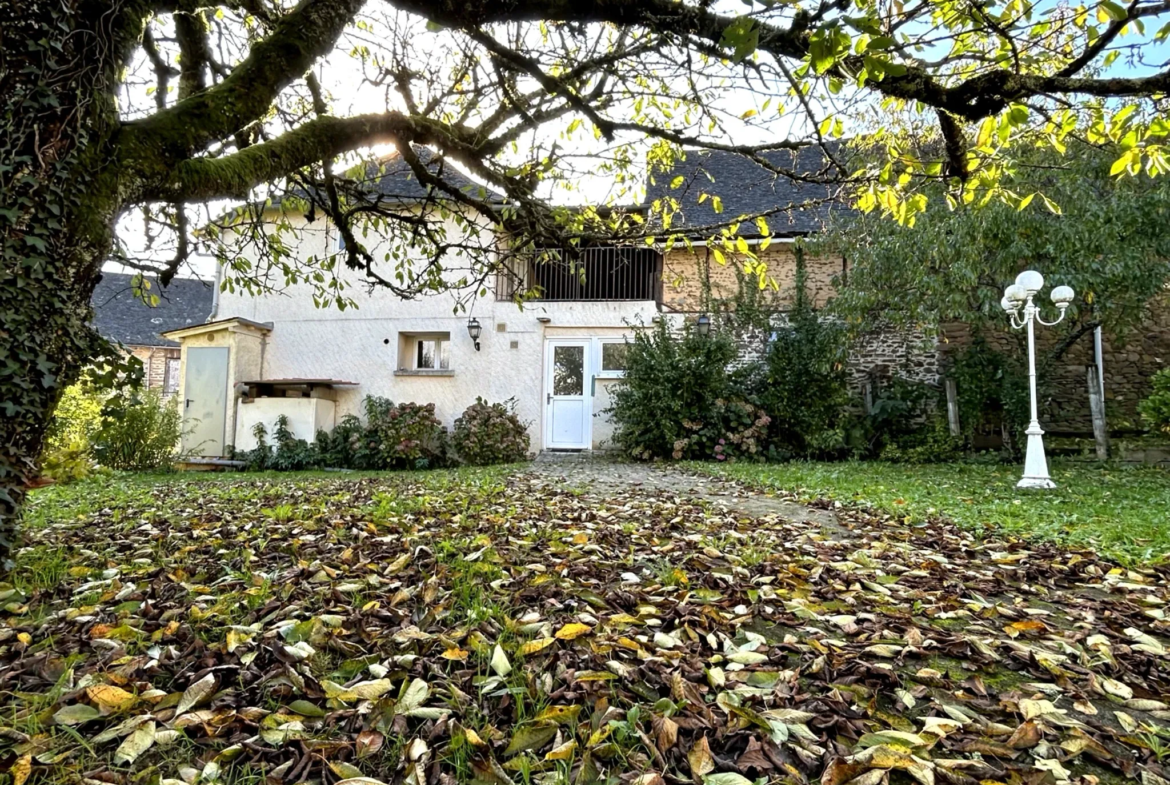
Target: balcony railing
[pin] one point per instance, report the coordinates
(590, 275)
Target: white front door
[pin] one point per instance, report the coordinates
(568, 394)
(205, 401)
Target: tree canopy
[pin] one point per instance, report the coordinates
(163, 105)
(1104, 236)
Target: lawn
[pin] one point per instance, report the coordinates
(498, 627)
(1123, 511)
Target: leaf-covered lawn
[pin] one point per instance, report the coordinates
(444, 628)
(1123, 511)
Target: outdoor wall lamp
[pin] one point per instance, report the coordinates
(703, 325)
(474, 330)
(1018, 303)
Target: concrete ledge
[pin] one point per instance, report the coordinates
(425, 372)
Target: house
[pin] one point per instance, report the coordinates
(123, 318)
(558, 356)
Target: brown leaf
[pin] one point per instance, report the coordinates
(368, 742)
(1028, 735)
(753, 758)
(665, 733)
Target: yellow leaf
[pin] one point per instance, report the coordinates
(110, 698)
(700, 758)
(24, 638)
(456, 653)
(573, 630)
(563, 752)
(532, 647)
(21, 769)
(562, 715)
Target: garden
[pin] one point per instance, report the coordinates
(99, 429)
(499, 625)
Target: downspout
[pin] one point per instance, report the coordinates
(215, 294)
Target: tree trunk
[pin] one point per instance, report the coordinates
(60, 201)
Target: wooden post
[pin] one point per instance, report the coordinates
(1097, 408)
(867, 395)
(952, 405)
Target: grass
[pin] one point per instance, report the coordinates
(118, 490)
(546, 626)
(1122, 511)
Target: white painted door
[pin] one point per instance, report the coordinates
(205, 401)
(568, 397)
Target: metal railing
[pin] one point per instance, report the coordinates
(589, 275)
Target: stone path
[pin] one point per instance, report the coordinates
(598, 474)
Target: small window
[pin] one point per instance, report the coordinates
(431, 354)
(424, 352)
(613, 358)
(171, 380)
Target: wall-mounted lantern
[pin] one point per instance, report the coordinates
(703, 325)
(474, 330)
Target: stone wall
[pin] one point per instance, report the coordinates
(881, 354)
(685, 273)
(1130, 360)
(154, 366)
(876, 355)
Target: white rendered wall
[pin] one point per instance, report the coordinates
(361, 345)
(306, 416)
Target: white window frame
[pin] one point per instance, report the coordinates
(410, 345)
(601, 372)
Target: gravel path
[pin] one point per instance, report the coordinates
(599, 475)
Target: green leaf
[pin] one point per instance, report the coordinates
(726, 778)
(1115, 11)
(77, 714)
(742, 36)
(531, 737)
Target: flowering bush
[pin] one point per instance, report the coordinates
(732, 430)
(488, 433)
(404, 435)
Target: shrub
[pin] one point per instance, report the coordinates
(259, 457)
(904, 416)
(349, 446)
(403, 436)
(732, 430)
(993, 393)
(67, 454)
(667, 394)
(142, 435)
(292, 454)
(67, 463)
(77, 418)
(488, 433)
(802, 385)
(1155, 409)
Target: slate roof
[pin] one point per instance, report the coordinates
(746, 188)
(120, 316)
(399, 181)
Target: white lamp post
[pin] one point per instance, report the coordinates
(1020, 295)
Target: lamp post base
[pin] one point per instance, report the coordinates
(1035, 482)
(1035, 463)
